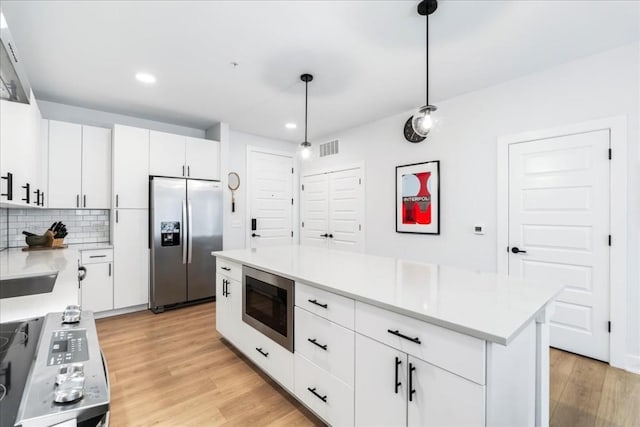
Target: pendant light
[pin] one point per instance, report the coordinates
(422, 122)
(305, 146)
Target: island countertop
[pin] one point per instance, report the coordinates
(488, 306)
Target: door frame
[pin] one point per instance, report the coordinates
(294, 183)
(331, 169)
(617, 127)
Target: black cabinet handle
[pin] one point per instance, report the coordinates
(77, 200)
(255, 235)
(224, 287)
(9, 193)
(398, 383)
(226, 268)
(259, 349)
(314, 301)
(37, 193)
(117, 217)
(188, 170)
(313, 341)
(117, 200)
(313, 390)
(516, 250)
(42, 195)
(97, 256)
(398, 334)
(182, 170)
(324, 235)
(331, 236)
(109, 269)
(84, 201)
(411, 389)
(27, 187)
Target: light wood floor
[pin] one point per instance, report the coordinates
(173, 369)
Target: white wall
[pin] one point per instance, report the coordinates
(69, 113)
(464, 141)
(235, 160)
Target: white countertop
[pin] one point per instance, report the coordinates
(14, 263)
(484, 305)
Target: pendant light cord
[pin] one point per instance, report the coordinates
(306, 98)
(426, 17)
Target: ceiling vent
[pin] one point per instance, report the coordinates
(329, 148)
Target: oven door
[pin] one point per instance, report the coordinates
(267, 305)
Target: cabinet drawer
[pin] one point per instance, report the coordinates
(332, 348)
(453, 351)
(95, 256)
(271, 357)
(327, 396)
(229, 269)
(325, 304)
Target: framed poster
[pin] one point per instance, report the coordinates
(418, 198)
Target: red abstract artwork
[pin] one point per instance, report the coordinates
(418, 198)
(416, 205)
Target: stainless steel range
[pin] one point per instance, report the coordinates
(62, 379)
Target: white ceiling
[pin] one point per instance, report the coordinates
(367, 56)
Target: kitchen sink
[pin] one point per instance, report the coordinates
(27, 285)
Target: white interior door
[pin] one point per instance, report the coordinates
(559, 214)
(271, 195)
(314, 206)
(345, 210)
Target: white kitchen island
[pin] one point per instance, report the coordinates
(401, 342)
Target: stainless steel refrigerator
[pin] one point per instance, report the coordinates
(186, 225)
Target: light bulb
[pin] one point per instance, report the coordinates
(305, 152)
(422, 121)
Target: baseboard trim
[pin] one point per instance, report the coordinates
(126, 310)
(633, 364)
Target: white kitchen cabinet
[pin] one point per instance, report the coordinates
(229, 309)
(130, 167)
(183, 157)
(380, 394)
(96, 167)
(396, 389)
(166, 154)
(202, 158)
(79, 166)
(97, 288)
(65, 165)
(131, 257)
(331, 210)
(21, 153)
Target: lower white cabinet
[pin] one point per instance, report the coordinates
(325, 394)
(229, 309)
(131, 257)
(396, 389)
(270, 356)
(97, 288)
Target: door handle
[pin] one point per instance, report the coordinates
(398, 334)
(190, 231)
(324, 235)
(412, 391)
(255, 235)
(331, 236)
(184, 245)
(398, 383)
(9, 193)
(516, 250)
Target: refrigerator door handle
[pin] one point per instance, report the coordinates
(190, 231)
(184, 245)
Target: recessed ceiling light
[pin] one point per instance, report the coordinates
(291, 126)
(146, 78)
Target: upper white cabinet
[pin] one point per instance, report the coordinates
(79, 166)
(65, 165)
(96, 167)
(202, 158)
(130, 167)
(21, 148)
(183, 156)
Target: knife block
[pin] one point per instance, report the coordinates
(55, 243)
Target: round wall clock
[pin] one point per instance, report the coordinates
(410, 135)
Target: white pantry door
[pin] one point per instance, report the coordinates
(271, 195)
(345, 210)
(559, 231)
(314, 206)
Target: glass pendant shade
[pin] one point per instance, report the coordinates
(422, 121)
(305, 149)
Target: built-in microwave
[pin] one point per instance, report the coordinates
(267, 305)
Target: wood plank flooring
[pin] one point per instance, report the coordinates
(173, 369)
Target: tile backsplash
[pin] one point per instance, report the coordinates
(83, 225)
(4, 228)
